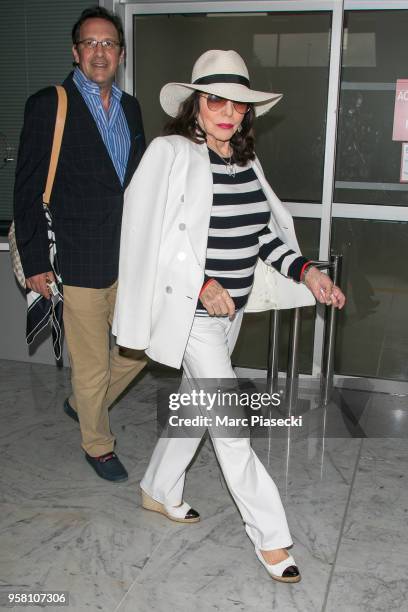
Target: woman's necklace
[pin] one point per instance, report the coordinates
(230, 166)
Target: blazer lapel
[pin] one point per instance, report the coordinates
(198, 198)
(137, 142)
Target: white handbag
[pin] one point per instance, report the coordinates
(273, 291)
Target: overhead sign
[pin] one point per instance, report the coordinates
(400, 130)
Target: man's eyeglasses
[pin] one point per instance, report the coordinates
(91, 43)
(215, 103)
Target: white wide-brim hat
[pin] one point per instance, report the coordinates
(222, 73)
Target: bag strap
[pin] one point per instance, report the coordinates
(56, 144)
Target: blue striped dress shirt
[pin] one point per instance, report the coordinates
(112, 125)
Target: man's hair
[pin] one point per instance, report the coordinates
(98, 12)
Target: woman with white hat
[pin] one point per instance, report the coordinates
(200, 222)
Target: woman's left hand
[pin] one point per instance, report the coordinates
(323, 288)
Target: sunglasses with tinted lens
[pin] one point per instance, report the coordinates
(215, 103)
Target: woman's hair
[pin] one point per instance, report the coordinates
(185, 124)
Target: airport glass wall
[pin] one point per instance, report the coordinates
(368, 221)
(371, 229)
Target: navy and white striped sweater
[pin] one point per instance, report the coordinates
(239, 233)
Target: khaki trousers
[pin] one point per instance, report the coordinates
(98, 374)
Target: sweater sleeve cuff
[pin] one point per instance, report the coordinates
(298, 267)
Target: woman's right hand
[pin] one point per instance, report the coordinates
(217, 301)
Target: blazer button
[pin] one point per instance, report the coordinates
(182, 226)
(169, 289)
(181, 256)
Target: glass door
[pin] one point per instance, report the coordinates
(299, 53)
(370, 211)
(286, 50)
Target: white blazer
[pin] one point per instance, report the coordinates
(166, 217)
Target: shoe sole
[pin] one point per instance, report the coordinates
(283, 579)
(124, 479)
(148, 503)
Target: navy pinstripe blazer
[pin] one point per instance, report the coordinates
(87, 197)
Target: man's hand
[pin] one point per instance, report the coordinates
(323, 288)
(217, 301)
(38, 283)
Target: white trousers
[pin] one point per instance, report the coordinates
(208, 355)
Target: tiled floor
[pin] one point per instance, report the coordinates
(62, 528)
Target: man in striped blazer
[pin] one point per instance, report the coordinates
(102, 145)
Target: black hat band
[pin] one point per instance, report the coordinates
(222, 78)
